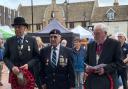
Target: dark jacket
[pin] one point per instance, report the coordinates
(29, 52)
(60, 77)
(110, 55)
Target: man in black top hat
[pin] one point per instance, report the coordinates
(21, 51)
(57, 69)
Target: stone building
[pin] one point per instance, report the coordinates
(86, 14)
(7, 15)
(115, 17)
(69, 14)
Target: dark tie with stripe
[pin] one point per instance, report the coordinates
(20, 45)
(53, 61)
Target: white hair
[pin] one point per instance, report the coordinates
(122, 34)
(64, 42)
(101, 26)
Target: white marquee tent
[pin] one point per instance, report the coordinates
(54, 24)
(83, 32)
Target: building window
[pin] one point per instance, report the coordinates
(84, 24)
(38, 26)
(71, 24)
(111, 16)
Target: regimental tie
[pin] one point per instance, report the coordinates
(20, 46)
(54, 55)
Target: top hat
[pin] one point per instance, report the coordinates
(55, 31)
(19, 21)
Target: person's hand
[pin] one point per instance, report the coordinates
(89, 69)
(100, 71)
(25, 66)
(72, 88)
(44, 86)
(85, 76)
(125, 60)
(15, 70)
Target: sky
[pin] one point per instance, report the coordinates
(13, 4)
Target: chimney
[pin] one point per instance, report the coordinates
(116, 3)
(116, 7)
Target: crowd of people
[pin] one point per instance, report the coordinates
(99, 64)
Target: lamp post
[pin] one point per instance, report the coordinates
(66, 13)
(32, 13)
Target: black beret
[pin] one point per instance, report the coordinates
(55, 31)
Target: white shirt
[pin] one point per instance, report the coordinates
(57, 53)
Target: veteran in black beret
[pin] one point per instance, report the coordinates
(21, 51)
(57, 69)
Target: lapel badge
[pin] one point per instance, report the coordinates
(29, 48)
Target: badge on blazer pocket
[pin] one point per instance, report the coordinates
(62, 61)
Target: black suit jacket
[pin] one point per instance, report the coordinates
(61, 77)
(29, 52)
(110, 55)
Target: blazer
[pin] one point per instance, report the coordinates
(29, 52)
(110, 55)
(61, 77)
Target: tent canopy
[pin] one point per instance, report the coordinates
(54, 24)
(83, 32)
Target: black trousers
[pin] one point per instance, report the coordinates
(37, 75)
(123, 74)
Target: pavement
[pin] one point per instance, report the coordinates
(6, 85)
(5, 74)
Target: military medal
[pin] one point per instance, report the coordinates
(21, 47)
(29, 48)
(62, 61)
(66, 61)
(47, 61)
(26, 41)
(20, 50)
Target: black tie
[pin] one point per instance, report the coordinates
(54, 57)
(19, 40)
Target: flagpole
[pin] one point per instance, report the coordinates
(32, 13)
